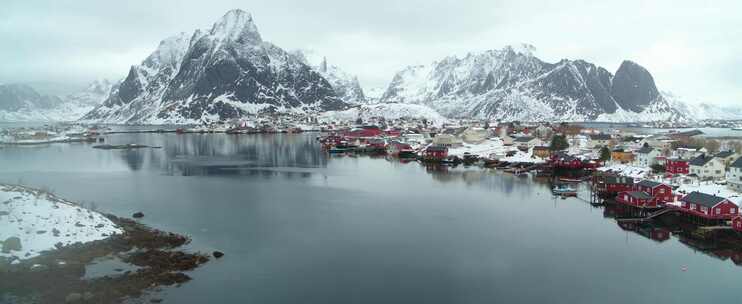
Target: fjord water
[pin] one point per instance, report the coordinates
(300, 226)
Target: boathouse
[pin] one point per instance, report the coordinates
(637, 199)
(660, 191)
(565, 161)
(435, 153)
(616, 184)
(708, 206)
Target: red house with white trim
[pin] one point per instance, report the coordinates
(637, 199)
(660, 191)
(616, 184)
(708, 206)
(677, 166)
(435, 153)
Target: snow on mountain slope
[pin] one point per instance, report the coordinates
(20, 103)
(217, 74)
(513, 84)
(387, 110)
(345, 85)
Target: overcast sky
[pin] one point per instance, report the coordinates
(693, 48)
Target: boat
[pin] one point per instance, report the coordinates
(520, 173)
(564, 190)
(737, 129)
(342, 147)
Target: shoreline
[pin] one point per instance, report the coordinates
(147, 260)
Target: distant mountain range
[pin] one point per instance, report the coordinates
(513, 84)
(229, 71)
(19, 102)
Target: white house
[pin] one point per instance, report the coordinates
(446, 140)
(707, 167)
(474, 135)
(647, 156)
(734, 175)
(526, 142)
(727, 157)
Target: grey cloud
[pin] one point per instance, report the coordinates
(65, 41)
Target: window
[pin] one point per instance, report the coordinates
(693, 206)
(662, 190)
(732, 210)
(718, 211)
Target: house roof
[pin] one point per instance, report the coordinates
(702, 199)
(524, 139)
(649, 183)
(645, 150)
(618, 180)
(737, 163)
(724, 154)
(600, 136)
(701, 160)
(690, 133)
(639, 195)
(436, 149)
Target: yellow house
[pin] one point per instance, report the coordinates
(621, 156)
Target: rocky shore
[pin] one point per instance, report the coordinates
(149, 260)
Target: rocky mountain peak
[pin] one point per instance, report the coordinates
(633, 87)
(235, 25)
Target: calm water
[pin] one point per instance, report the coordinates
(299, 226)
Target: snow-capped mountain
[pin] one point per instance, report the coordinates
(346, 86)
(513, 84)
(216, 74)
(22, 103)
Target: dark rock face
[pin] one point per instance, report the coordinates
(219, 74)
(633, 87)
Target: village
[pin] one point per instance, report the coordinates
(682, 173)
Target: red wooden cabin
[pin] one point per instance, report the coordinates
(677, 166)
(660, 191)
(708, 206)
(435, 153)
(637, 199)
(565, 161)
(616, 184)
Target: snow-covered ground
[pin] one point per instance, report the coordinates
(483, 149)
(42, 221)
(523, 157)
(627, 170)
(712, 188)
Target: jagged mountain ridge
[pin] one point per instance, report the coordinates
(513, 84)
(218, 74)
(346, 86)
